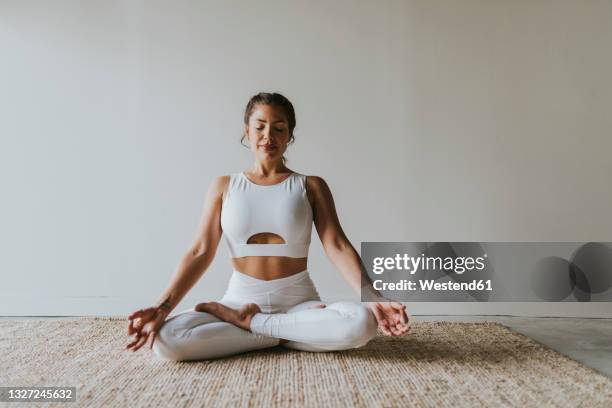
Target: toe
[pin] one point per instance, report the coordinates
(319, 306)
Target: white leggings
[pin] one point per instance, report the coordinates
(288, 312)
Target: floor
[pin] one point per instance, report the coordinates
(586, 340)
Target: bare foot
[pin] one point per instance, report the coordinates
(238, 317)
(318, 306)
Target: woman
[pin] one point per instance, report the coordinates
(266, 215)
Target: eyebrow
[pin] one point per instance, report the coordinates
(280, 120)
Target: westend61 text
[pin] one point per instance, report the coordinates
(405, 284)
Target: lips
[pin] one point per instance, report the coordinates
(268, 147)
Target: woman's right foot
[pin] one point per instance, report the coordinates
(238, 317)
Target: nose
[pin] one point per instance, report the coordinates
(267, 135)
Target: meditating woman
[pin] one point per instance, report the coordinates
(266, 215)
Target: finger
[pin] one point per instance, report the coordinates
(384, 326)
(140, 343)
(152, 337)
(138, 323)
(397, 317)
(382, 321)
(395, 330)
(130, 345)
(131, 329)
(400, 311)
(136, 314)
(393, 317)
(403, 316)
(402, 328)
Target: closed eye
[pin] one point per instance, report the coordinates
(277, 129)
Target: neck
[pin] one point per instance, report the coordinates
(268, 168)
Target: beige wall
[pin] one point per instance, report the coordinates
(430, 120)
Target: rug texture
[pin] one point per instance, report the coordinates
(438, 364)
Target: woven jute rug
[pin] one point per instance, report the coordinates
(438, 364)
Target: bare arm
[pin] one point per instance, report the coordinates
(390, 315)
(335, 243)
(199, 256)
(145, 323)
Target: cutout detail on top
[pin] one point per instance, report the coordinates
(265, 238)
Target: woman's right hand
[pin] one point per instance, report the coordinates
(145, 324)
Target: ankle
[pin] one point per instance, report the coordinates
(246, 314)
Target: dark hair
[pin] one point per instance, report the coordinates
(275, 99)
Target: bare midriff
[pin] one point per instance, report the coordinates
(269, 267)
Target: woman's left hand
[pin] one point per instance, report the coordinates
(391, 316)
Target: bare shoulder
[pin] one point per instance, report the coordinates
(315, 182)
(317, 186)
(322, 203)
(219, 185)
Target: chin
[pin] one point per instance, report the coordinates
(269, 156)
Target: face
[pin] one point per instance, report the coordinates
(268, 132)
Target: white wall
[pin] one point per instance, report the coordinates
(430, 120)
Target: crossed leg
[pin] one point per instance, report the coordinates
(193, 335)
(197, 335)
(338, 326)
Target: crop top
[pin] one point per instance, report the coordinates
(282, 209)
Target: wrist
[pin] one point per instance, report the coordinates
(368, 294)
(164, 310)
(165, 305)
(374, 302)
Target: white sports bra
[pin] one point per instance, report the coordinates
(282, 209)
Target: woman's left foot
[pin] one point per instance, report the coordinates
(321, 306)
(238, 317)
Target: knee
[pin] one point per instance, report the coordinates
(166, 345)
(359, 326)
